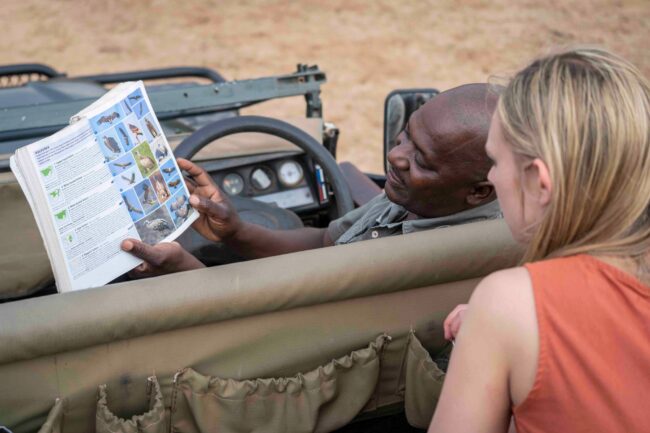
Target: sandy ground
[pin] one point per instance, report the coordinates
(367, 47)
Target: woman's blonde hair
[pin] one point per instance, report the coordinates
(585, 112)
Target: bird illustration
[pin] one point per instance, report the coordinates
(122, 164)
(147, 195)
(180, 201)
(181, 208)
(127, 142)
(127, 109)
(161, 152)
(174, 183)
(152, 129)
(167, 170)
(145, 161)
(159, 225)
(136, 131)
(135, 97)
(130, 207)
(108, 118)
(159, 185)
(111, 144)
(130, 180)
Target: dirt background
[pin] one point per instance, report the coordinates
(367, 48)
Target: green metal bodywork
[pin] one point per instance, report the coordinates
(21, 122)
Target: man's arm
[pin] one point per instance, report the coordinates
(218, 221)
(221, 222)
(253, 241)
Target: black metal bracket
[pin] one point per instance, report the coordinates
(19, 74)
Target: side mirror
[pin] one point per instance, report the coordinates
(398, 107)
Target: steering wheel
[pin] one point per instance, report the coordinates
(233, 125)
(253, 210)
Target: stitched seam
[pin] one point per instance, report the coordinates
(401, 391)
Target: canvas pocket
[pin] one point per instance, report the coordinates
(152, 421)
(320, 400)
(54, 421)
(423, 384)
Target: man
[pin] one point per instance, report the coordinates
(437, 178)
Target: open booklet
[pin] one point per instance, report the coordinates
(107, 176)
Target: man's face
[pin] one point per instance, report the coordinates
(426, 167)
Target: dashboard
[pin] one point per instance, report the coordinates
(290, 181)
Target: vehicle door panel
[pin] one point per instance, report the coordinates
(267, 318)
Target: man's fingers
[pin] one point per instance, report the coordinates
(218, 195)
(191, 186)
(200, 176)
(184, 164)
(127, 245)
(141, 271)
(209, 207)
(143, 251)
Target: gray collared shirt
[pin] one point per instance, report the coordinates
(381, 217)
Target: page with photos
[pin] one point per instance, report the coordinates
(141, 163)
(108, 176)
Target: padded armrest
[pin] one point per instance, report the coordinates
(24, 265)
(36, 327)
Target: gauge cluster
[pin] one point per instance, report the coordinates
(282, 181)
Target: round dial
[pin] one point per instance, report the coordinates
(233, 184)
(290, 173)
(261, 178)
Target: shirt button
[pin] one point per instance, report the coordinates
(374, 234)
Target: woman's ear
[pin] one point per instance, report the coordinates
(537, 182)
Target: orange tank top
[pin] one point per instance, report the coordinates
(593, 372)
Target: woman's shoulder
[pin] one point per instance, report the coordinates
(505, 299)
(503, 284)
(523, 276)
(506, 303)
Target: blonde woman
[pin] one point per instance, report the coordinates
(563, 343)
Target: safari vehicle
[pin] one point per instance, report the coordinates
(342, 338)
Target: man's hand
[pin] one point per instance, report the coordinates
(160, 259)
(218, 220)
(453, 321)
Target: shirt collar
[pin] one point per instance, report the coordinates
(395, 215)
